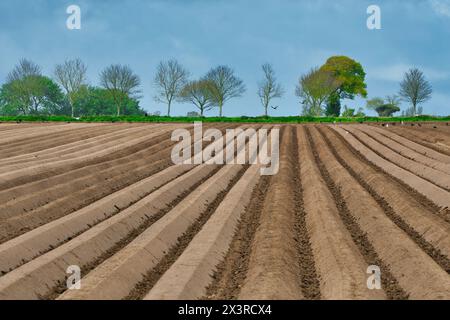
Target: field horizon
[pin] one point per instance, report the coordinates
(242, 119)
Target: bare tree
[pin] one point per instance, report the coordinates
(415, 88)
(198, 93)
(224, 85)
(169, 80)
(121, 82)
(25, 68)
(314, 88)
(268, 88)
(71, 75)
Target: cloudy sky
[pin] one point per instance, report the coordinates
(293, 35)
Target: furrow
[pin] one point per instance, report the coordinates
(405, 151)
(31, 146)
(230, 274)
(433, 176)
(419, 137)
(12, 179)
(35, 218)
(429, 232)
(437, 195)
(428, 152)
(44, 276)
(117, 276)
(280, 263)
(417, 273)
(48, 158)
(190, 275)
(5, 126)
(340, 266)
(12, 137)
(159, 245)
(25, 193)
(98, 137)
(49, 236)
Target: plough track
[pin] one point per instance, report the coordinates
(108, 199)
(431, 140)
(440, 179)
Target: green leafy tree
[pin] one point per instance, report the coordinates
(351, 76)
(32, 94)
(373, 103)
(13, 101)
(93, 101)
(333, 107)
(313, 89)
(16, 93)
(360, 113)
(348, 112)
(387, 110)
(384, 108)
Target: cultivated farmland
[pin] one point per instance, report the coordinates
(107, 198)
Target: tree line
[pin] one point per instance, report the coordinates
(322, 90)
(28, 91)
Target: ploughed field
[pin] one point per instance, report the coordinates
(107, 198)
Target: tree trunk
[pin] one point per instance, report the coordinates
(220, 110)
(71, 106)
(168, 108)
(117, 104)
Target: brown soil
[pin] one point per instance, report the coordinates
(281, 265)
(106, 197)
(428, 138)
(231, 272)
